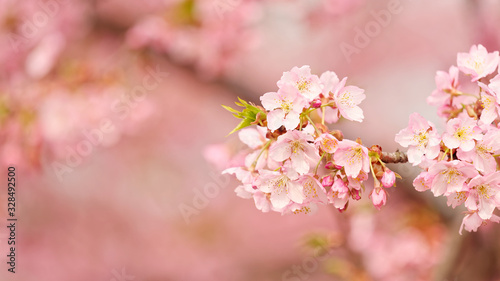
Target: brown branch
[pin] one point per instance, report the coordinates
(394, 157)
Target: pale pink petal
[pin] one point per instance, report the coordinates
(299, 163)
(280, 151)
(279, 200)
(291, 121)
(250, 137)
(295, 192)
(275, 119)
(270, 101)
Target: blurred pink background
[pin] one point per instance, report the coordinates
(145, 80)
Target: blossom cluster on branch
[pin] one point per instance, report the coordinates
(294, 161)
(461, 163)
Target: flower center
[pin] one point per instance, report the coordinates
(356, 155)
(483, 150)
(309, 189)
(462, 134)
(451, 175)
(286, 106)
(346, 99)
(281, 185)
(303, 85)
(329, 144)
(296, 147)
(422, 138)
(487, 101)
(483, 190)
(305, 210)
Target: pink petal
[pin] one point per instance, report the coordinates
(270, 101)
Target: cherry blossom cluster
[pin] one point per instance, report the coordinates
(294, 161)
(461, 163)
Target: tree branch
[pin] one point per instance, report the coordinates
(394, 157)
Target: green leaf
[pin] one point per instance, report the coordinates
(250, 114)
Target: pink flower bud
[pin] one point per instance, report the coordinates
(327, 181)
(379, 197)
(316, 103)
(388, 178)
(355, 194)
(329, 165)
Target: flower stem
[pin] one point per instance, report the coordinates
(261, 151)
(319, 162)
(312, 123)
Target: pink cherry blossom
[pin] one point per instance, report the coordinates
(481, 156)
(421, 139)
(484, 194)
(446, 82)
(301, 79)
(472, 221)
(283, 190)
(357, 182)
(478, 62)
(338, 194)
(458, 198)
(423, 181)
(489, 104)
(255, 138)
(313, 190)
(347, 100)
(461, 133)
(449, 177)
(294, 145)
(262, 201)
(285, 107)
(330, 81)
(327, 143)
(353, 157)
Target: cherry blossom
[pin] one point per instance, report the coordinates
(339, 193)
(308, 85)
(347, 100)
(450, 176)
(294, 145)
(281, 188)
(478, 63)
(327, 143)
(481, 156)
(421, 139)
(353, 157)
(461, 133)
(484, 194)
(285, 107)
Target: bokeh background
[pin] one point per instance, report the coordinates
(110, 112)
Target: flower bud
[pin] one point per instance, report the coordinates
(379, 197)
(327, 181)
(316, 103)
(388, 178)
(329, 165)
(355, 194)
(337, 134)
